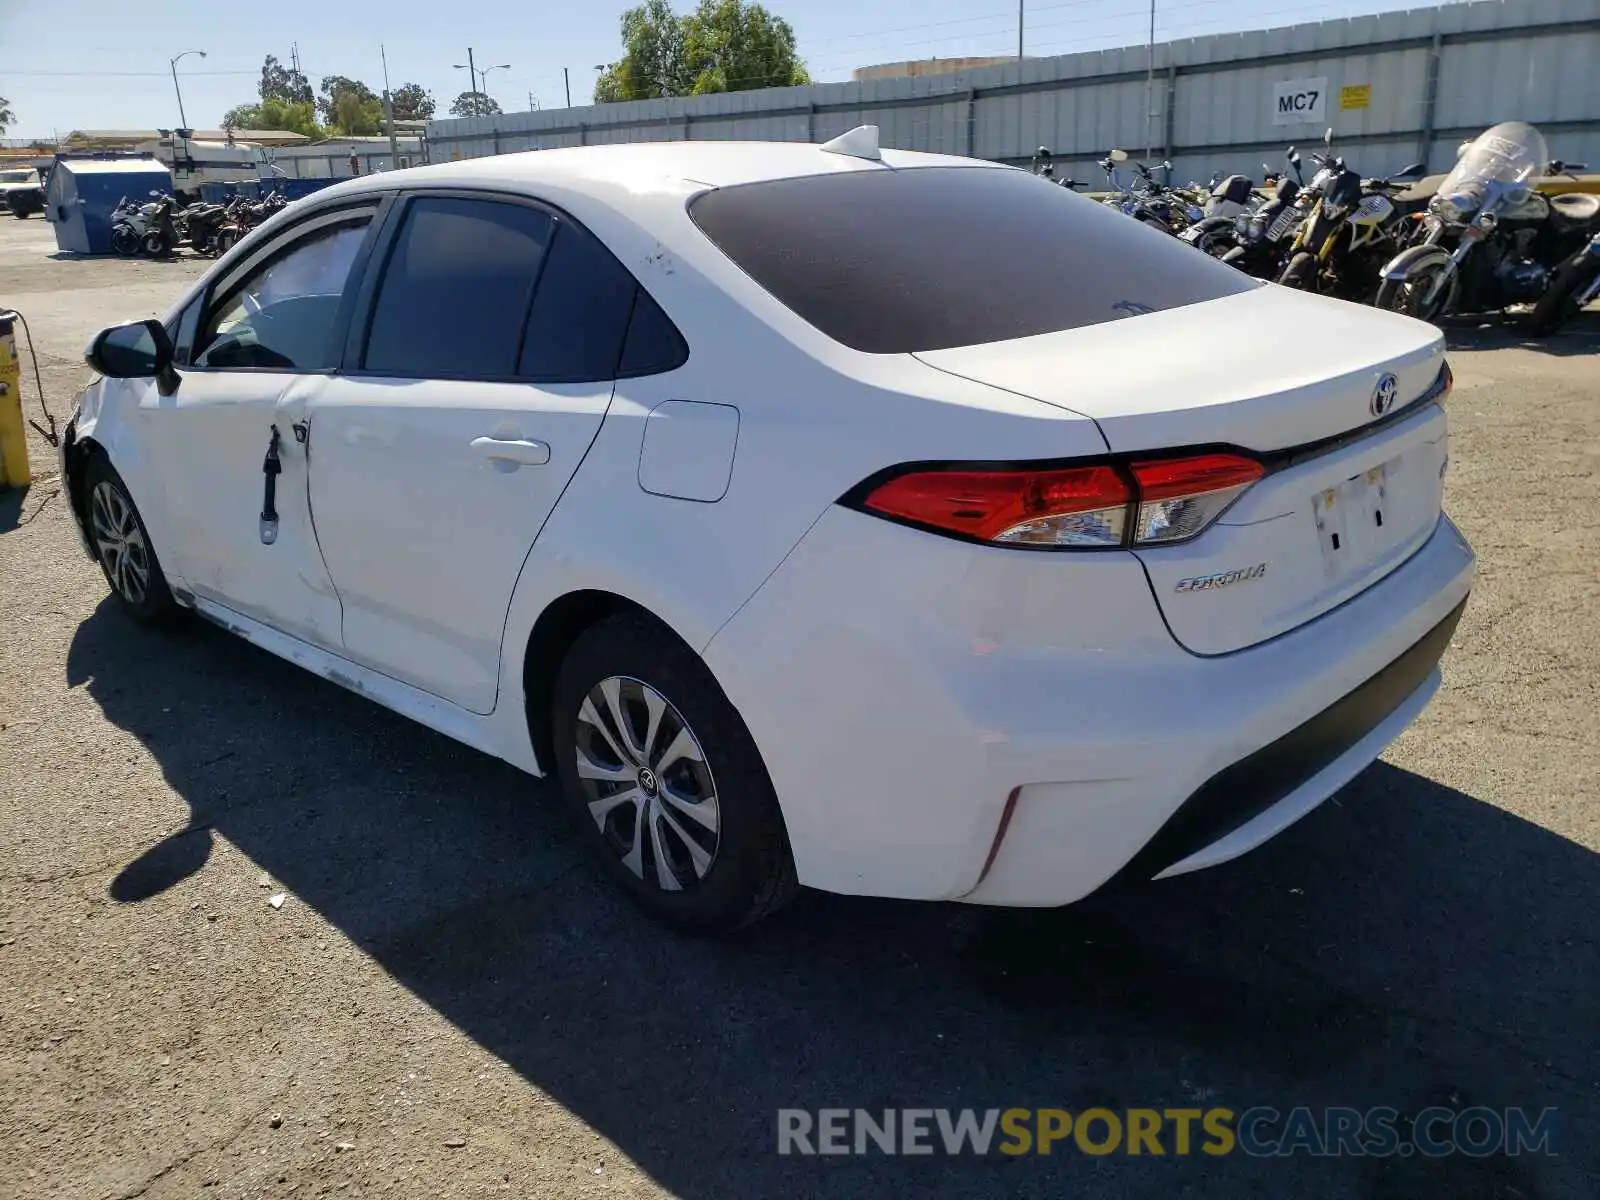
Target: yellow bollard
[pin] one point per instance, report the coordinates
(13, 437)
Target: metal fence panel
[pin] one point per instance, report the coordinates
(1391, 85)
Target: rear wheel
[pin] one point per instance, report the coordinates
(665, 782)
(122, 545)
(156, 244)
(1560, 304)
(224, 242)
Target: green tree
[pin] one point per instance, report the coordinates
(279, 82)
(723, 46)
(412, 102)
(474, 104)
(349, 106)
(297, 117)
(7, 117)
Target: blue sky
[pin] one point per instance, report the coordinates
(102, 64)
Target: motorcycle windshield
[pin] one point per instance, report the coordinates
(1510, 155)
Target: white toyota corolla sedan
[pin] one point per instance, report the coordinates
(882, 522)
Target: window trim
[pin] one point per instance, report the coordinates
(359, 329)
(223, 289)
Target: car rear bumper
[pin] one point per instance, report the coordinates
(1011, 728)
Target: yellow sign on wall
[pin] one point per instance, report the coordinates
(1357, 95)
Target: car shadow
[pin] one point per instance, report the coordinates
(1406, 945)
(1500, 331)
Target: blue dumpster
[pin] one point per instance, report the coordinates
(83, 192)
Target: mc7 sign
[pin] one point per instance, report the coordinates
(1300, 101)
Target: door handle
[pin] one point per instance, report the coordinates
(513, 452)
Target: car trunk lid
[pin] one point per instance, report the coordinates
(1333, 398)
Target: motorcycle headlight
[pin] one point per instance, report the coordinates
(1454, 208)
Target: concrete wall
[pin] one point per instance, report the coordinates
(1435, 76)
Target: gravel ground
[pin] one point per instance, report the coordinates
(448, 1004)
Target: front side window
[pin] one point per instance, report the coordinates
(284, 316)
(455, 295)
(896, 261)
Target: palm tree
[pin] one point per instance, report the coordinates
(7, 117)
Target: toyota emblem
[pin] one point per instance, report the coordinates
(1383, 396)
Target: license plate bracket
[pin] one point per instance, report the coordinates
(1350, 519)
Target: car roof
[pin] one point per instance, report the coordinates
(643, 168)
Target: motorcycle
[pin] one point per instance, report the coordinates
(1044, 167)
(1488, 238)
(129, 221)
(198, 226)
(1149, 201)
(1352, 228)
(1576, 283)
(1230, 199)
(1262, 238)
(161, 230)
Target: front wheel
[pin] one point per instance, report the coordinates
(1424, 292)
(1301, 272)
(1560, 303)
(122, 545)
(157, 244)
(224, 242)
(665, 782)
(125, 241)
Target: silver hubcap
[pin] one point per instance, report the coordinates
(647, 784)
(120, 541)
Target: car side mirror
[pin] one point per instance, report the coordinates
(1411, 171)
(138, 350)
(1118, 156)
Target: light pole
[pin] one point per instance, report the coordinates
(1020, 5)
(483, 77)
(183, 121)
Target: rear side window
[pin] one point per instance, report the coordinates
(892, 261)
(580, 312)
(654, 344)
(454, 297)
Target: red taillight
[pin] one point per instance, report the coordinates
(1169, 478)
(1065, 506)
(1092, 505)
(1178, 497)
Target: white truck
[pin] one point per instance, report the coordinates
(21, 191)
(195, 162)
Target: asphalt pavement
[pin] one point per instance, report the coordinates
(447, 1002)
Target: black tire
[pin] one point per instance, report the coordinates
(156, 244)
(125, 241)
(224, 242)
(152, 601)
(749, 871)
(1301, 272)
(1405, 296)
(1559, 304)
(21, 214)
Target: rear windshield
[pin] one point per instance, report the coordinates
(891, 261)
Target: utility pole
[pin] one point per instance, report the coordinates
(388, 111)
(567, 82)
(1150, 88)
(477, 96)
(1021, 4)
